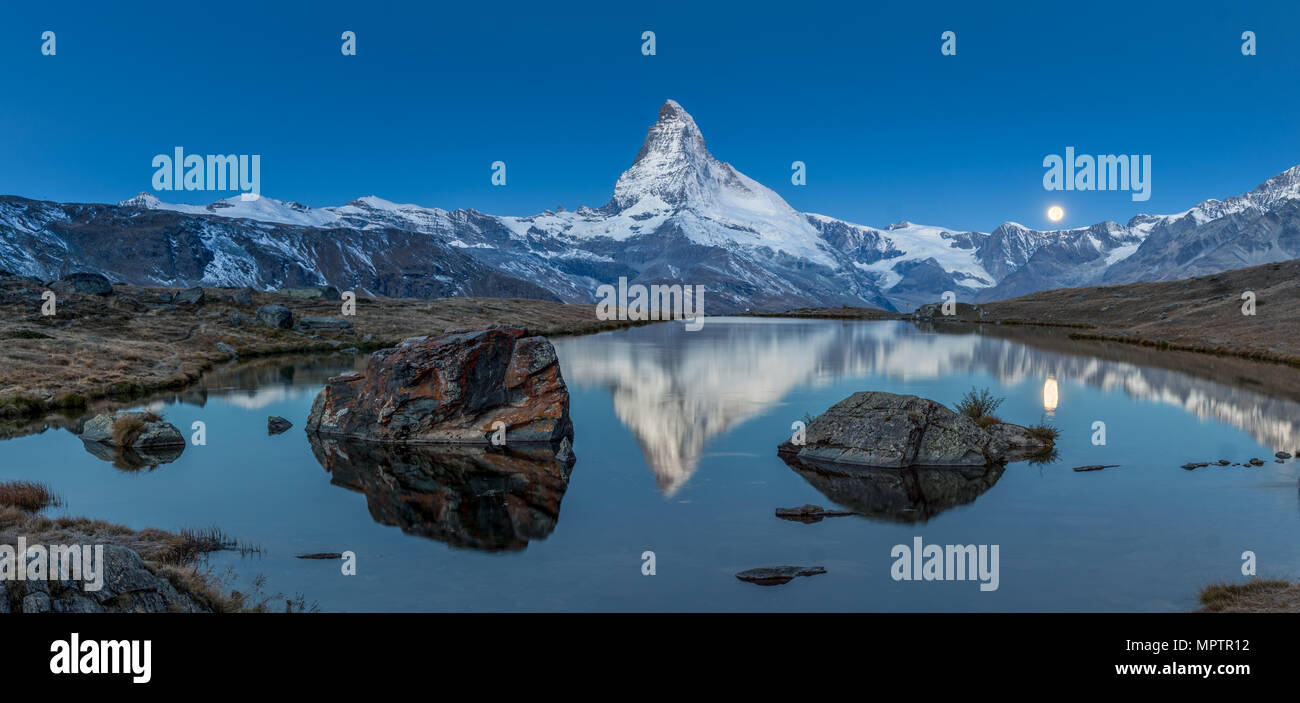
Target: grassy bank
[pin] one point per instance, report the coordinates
(136, 341)
(1202, 315)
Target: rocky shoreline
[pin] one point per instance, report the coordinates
(137, 571)
(112, 342)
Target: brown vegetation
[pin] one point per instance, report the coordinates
(132, 342)
(27, 495)
(1254, 596)
(1202, 314)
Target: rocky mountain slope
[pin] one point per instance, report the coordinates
(677, 216)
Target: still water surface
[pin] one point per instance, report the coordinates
(675, 437)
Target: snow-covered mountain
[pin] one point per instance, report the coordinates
(677, 216)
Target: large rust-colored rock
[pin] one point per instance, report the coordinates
(451, 389)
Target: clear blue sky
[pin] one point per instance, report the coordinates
(888, 127)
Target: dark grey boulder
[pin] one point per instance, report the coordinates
(190, 296)
(873, 428)
(152, 433)
(88, 283)
(314, 292)
(275, 316)
(276, 424)
(888, 430)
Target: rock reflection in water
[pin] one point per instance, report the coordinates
(134, 458)
(897, 495)
(473, 497)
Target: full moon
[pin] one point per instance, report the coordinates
(1055, 213)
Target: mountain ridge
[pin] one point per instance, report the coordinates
(676, 215)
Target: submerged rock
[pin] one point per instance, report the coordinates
(276, 424)
(462, 387)
(808, 514)
(778, 575)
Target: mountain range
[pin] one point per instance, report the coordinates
(677, 216)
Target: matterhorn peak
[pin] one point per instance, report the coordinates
(673, 164)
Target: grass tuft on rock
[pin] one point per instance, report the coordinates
(126, 429)
(987, 421)
(1043, 433)
(978, 403)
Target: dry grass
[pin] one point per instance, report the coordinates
(1198, 314)
(987, 421)
(126, 429)
(1202, 314)
(127, 344)
(174, 556)
(979, 404)
(27, 496)
(1255, 596)
(1043, 433)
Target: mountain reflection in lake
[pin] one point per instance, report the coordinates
(675, 397)
(675, 438)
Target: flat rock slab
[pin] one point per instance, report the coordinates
(778, 575)
(808, 514)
